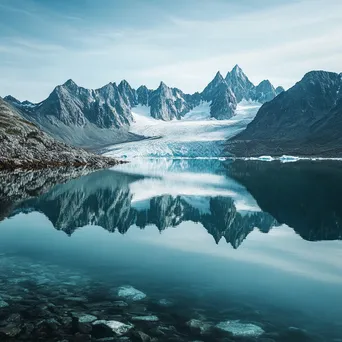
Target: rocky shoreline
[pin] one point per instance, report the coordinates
(25, 146)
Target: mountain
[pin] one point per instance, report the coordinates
(95, 118)
(240, 85)
(170, 103)
(223, 101)
(304, 120)
(264, 92)
(143, 95)
(279, 90)
(84, 117)
(24, 145)
(105, 199)
(306, 195)
(223, 104)
(225, 93)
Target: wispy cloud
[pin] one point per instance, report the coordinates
(280, 42)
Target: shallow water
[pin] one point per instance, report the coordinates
(256, 244)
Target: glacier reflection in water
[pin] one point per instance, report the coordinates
(172, 221)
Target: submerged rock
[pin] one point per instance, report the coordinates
(198, 325)
(11, 330)
(87, 318)
(131, 293)
(3, 304)
(240, 329)
(151, 318)
(165, 302)
(120, 304)
(116, 326)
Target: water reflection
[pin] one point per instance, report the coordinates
(275, 279)
(306, 196)
(229, 199)
(117, 201)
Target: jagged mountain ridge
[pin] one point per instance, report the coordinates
(24, 145)
(104, 199)
(86, 117)
(304, 120)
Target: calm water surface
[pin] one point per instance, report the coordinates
(256, 245)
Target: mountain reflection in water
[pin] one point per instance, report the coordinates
(274, 277)
(229, 200)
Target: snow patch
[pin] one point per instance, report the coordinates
(196, 135)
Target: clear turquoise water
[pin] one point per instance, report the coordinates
(254, 242)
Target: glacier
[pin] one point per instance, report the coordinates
(195, 135)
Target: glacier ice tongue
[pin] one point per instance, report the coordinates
(131, 293)
(240, 329)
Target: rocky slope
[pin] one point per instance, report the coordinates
(24, 145)
(170, 103)
(94, 118)
(305, 120)
(225, 93)
(243, 88)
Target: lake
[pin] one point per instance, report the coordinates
(173, 250)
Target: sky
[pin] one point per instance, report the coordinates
(182, 42)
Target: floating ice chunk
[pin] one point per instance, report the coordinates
(150, 318)
(240, 329)
(129, 292)
(87, 318)
(116, 326)
(288, 159)
(266, 158)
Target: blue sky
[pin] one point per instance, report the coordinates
(182, 42)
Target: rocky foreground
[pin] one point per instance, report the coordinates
(24, 145)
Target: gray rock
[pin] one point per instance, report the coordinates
(199, 326)
(3, 304)
(85, 328)
(87, 318)
(304, 120)
(131, 293)
(150, 318)
(24, 145)
(240, 85)
(170, 103)
(116, 326)
(120, 304)
(240, 329)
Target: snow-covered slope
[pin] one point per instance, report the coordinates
(196, 135)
